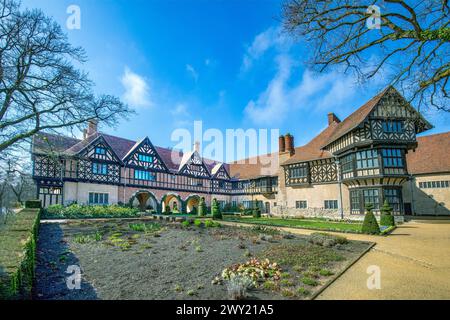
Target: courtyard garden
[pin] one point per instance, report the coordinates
(193, 259)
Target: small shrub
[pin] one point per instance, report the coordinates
(198, 249)
(309, 281)
(238, 285)
(167, 210)
(198, 222)
(178, 288)
(186, 224)
(191, 292)
(326, 239)
(370, 224)
(387, 219)
(285, 275)
(215, 210)
(202, 209)
(302, 291)
(211, 224)
(287, 293)
(287, 282)
(325, 272)
(270, 285)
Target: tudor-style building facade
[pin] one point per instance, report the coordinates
(362, 159)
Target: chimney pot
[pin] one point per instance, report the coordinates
(332, 118)
(289, 142)
(281, 144)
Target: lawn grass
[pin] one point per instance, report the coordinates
(302, 224)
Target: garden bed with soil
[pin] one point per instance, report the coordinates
(162, 260)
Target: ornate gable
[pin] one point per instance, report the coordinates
(99, 149)
(394, 106)
(221, 173)
(144, 155)
(195, 167)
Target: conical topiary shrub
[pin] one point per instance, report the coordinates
(387, 219)
(215, 210)
(202, 209)
(370, 224)
(256, 210)
(167, 211)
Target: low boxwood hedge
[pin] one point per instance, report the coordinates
(76, 211)
(18, 254)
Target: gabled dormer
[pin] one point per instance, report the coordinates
(98, 149)
(144, 155)
(220, 172)
(192, 164)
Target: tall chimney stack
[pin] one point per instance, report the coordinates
(197, 146)
(281, 144)
(92, 127)
(333, 118)
(289, 143)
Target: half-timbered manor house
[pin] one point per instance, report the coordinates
(372, 155)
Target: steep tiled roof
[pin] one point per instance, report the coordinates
(431, 155)
(355, 119)
(48, 142)
(312, 150)
(255, 167)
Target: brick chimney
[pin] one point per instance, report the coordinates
(92, 127)
(281, 144)
(289, 143)
(333, 118)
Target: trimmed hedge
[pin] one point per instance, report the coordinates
(76, 211)
(33, 204)
(18, 254)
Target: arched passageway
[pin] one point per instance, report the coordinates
(192, 203)
(144, 200)
(173, 203)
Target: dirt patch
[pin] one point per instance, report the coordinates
(156, 260)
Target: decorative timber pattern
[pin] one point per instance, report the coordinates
(145, 156)
(222, 174)
(195, 167)
(323, 171)
(293, 179)
(45, 166)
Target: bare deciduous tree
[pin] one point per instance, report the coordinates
(412, 43)
(40, 87)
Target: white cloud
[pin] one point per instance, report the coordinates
(270, 38)
(180, 110)
(313, 91)
(191, 70)
(136, 89)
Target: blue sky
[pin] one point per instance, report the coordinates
(226, 63)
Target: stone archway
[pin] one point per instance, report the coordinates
(145, 200)
(192, 203)
(174, 201)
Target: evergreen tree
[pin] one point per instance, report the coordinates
(370, 224)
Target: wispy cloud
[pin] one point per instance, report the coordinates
(137, 92)
(270, 38)
(312, 92)
(191, 70)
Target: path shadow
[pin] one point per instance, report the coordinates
(53, 259)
